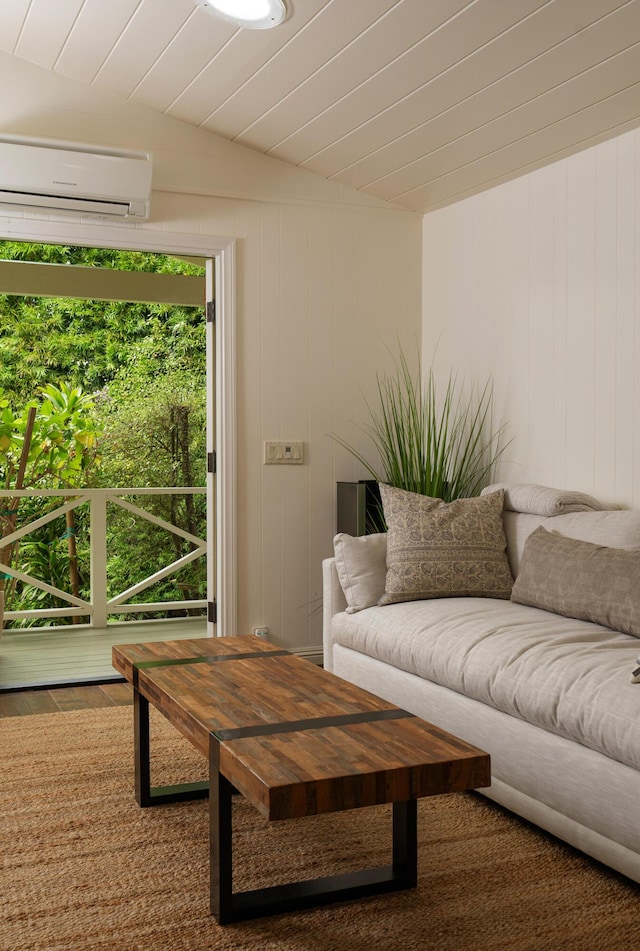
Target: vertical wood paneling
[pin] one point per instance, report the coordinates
(606, 302)
(502, 410)
(540, 331)
(268, 399)
(483, 307)
(249, 444)
(558, 473)
(438, 245)
(565, 312)
(320, 447)
(344, 384)
(626, 417)
(368, 265)
(394, 296)
(635, 402)
(580, 369)
(518, 387)
(295, 422)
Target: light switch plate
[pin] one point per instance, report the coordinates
(283, 453)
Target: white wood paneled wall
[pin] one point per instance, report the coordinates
(324, 296)
(536, 283)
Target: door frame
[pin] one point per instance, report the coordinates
(222, 415)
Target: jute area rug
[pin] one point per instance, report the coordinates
(83, 868)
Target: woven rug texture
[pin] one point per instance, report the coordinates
(83, 868)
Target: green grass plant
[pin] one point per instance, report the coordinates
(444, 447)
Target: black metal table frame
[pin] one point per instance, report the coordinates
(228, 906)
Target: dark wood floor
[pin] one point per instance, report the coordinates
(27, 702)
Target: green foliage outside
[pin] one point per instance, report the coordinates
(139, 372)
(62, 446)
(155, 430)
(85, 342)
(50, 442)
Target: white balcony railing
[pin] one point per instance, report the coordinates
(100, 606)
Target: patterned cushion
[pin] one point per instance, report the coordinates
(581, 580)
(439, 549)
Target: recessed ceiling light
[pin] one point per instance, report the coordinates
(252, 14)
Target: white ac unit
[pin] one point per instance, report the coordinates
(74, 177)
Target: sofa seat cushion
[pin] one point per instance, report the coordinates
(567, 676)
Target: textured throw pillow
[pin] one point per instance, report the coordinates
(439, 549)
(582, 580)
(361, 565)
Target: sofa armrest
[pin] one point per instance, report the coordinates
(333, 601)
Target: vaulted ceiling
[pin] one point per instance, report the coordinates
(418, 102)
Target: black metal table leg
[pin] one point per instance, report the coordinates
(141, 749)
(405, 842)
(146, 794)
(220, 844)
(228, 906)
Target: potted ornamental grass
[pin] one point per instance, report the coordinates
(441, 444)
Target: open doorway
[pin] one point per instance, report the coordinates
(219, 253)
(40, 282)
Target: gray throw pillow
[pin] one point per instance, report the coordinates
(581, 580)
(439, 549)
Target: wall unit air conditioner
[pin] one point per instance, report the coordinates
(74, 177)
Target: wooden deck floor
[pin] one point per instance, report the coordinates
(79, 654)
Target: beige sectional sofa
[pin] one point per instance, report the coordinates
(554, 699)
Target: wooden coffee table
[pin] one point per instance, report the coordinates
(295, 741)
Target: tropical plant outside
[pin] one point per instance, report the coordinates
(61, 446)
(49, 443)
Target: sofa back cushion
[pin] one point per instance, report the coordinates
(581, 580)
(615, 529)
(361, 561)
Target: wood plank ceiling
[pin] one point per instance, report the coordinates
(418, 102)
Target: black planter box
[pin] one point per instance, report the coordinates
(359, 508)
